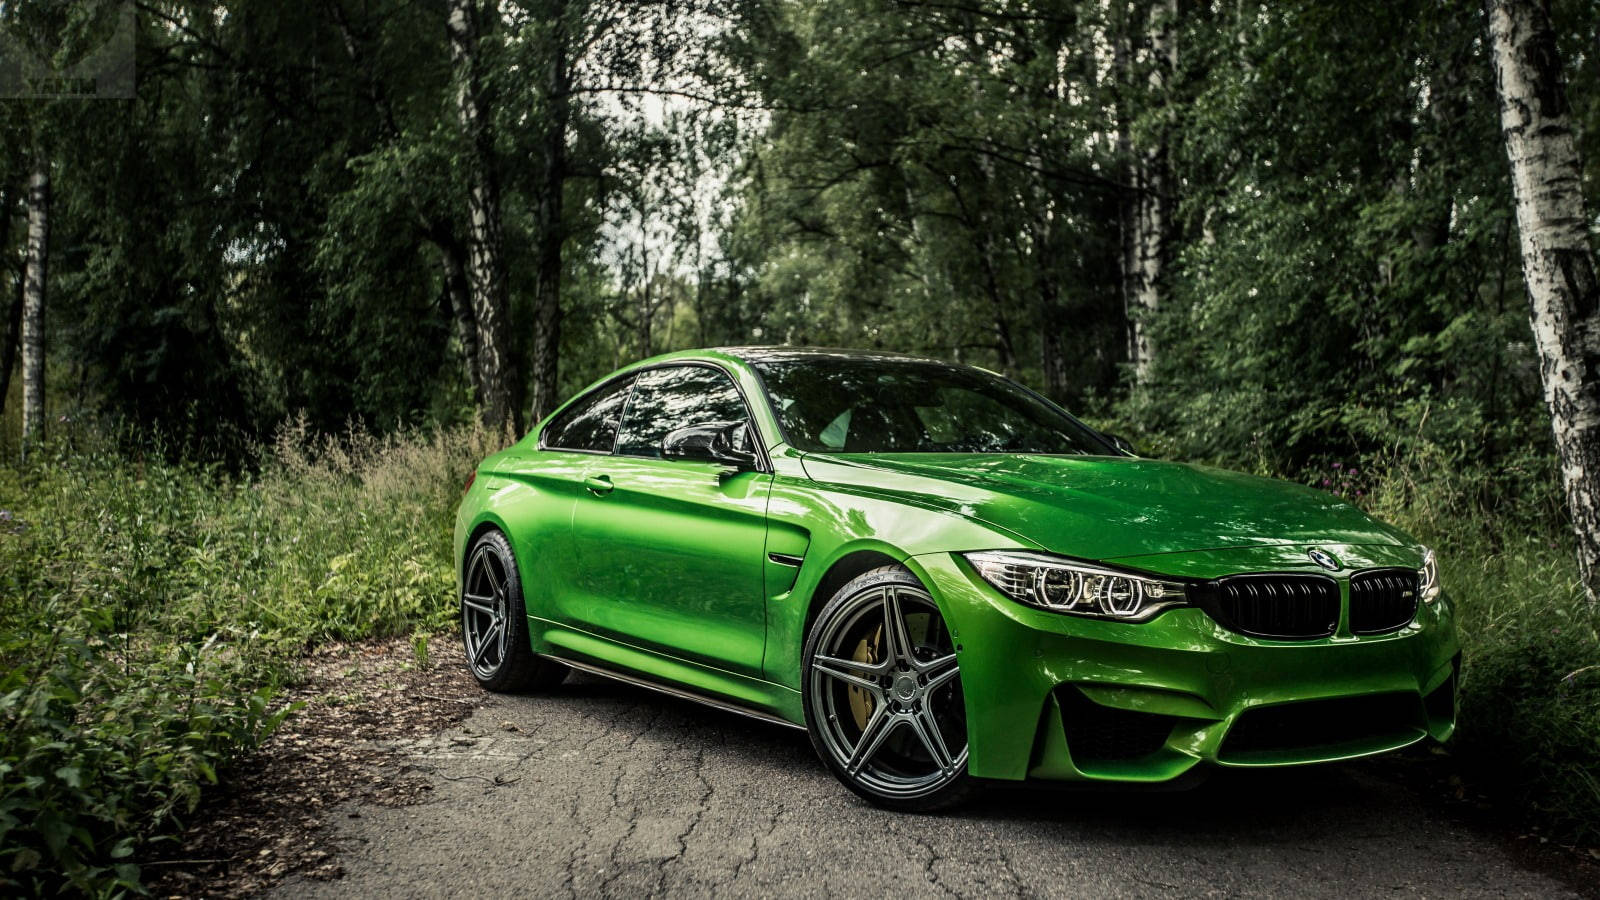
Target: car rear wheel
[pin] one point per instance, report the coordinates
(883, 694)
(494, 622)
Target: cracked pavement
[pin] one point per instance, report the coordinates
(605, 790)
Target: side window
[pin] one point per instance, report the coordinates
(675, 397)
(591, 423)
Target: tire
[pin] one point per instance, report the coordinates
(887, 722)
(494, 622)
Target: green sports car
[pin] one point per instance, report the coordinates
(943, 578)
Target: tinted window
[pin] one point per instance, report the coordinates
(676, 397)
(591, 422)
(851, 405)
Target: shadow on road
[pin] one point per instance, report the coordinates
(1254, 801)
(608, 790)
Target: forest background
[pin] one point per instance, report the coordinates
(267, 306)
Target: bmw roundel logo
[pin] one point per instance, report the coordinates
(1323, 558)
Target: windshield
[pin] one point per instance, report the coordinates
(888, 405)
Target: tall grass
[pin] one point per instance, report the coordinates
(148, 608)
(1530, 687)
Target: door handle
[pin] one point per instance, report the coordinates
(598, 484)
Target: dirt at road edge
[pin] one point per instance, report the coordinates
(270, 816)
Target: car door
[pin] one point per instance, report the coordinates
(539, 514)
(670, 551)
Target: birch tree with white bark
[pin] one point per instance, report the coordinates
(33, 300)
(1558, 262)
(1148, 217)
(498, 381)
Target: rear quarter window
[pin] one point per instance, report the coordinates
(590, 423)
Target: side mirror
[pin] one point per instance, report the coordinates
(1121, 443)
(727, 443)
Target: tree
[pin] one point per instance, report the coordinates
(12, 332)
(498, 382)
(1147, 216)
(33, 298)
(554, 46)
(1558, 263)
(404, 187)
(1340, 246)
(935, 178)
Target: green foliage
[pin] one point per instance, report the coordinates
(1530, 680)
(419, 649)
(107, 744)
(935, 179)
(1341, 271)
(148, 608)
(1348, 264)
(1530, 702)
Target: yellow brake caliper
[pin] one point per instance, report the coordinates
(860, 701)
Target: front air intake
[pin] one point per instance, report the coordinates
(1317, 728)
(1105, 734)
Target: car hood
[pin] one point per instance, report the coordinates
(1100, 507)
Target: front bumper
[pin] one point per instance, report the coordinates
(1059, 697)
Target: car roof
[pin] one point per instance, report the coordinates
(751, 355)
(772, 353)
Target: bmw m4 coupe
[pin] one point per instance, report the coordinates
(944, 578)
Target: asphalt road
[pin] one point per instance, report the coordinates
(604, 790)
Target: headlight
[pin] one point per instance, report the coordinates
(1428, 577)
(1061, 585)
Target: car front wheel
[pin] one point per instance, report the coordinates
(883, 694)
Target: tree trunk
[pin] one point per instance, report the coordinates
(647, 313)
(13, 323)
(1148, 259)
(669, 307)
(1052, 345)
(455, 296)
(1149, 218)
(497, 366)
(457, 301)
(1447, 107)
(549, 224)
(1128, 203)
(8, 352)
(1052, 317)
(1558, 265)
(33, 299)
(983, 246)
(1005, 347)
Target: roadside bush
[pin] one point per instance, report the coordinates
(104, 748)
(148, 608)
(1530, 681)
(337, 537)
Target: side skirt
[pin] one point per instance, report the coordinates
(742, 694)
(680, 693)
